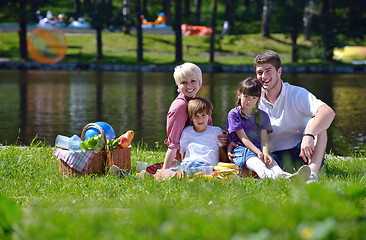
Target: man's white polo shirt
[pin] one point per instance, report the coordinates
(294, 107)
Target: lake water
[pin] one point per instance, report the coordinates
(48, 103)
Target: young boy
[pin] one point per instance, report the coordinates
(199, 145)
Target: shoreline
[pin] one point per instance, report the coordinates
(115, 67)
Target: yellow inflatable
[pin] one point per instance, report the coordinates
(350, 53)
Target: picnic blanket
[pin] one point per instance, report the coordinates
(77, 160)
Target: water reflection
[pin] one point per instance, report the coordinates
(46, 104)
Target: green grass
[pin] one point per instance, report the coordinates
(39, 203)
(160, 49)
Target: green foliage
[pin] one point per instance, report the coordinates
(107, 207)
(10, 215)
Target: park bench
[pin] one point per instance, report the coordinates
(78, 54)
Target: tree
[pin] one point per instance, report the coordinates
(99, 20)
(266, 18)
(178, 31)
(197, 13)
(290, 16)
(230, 15)
(126, 15)
(21, 11)
(187, 8)
(167, 12)
(212, 42)
(139, 32)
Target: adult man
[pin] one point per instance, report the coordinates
(299, 120)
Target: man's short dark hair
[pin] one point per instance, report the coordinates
(268, 56)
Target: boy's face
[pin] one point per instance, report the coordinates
(200, 121)
(189, 87)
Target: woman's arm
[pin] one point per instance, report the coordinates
(169, 157)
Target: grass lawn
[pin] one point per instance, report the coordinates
(36, 202)
(160, 49)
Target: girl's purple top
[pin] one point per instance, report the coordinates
(237, 120)
(177, 119)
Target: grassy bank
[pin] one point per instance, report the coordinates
(42, 204)
(160, 49)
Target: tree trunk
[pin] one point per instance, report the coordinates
(230, 15)
(178, 31)
(77, 8)
(187, 8)
(126, 13)
(294, 35)
(328, 35)
(23, 30)
(167, 12)
(99, 44)
(144, 8)
(246, 4)
(267, 8)
(139, 32)
(212, 42)
(87, 4)
(197, 14)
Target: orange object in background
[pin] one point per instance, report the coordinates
(195, 30)
(161, 19)
(47, 44)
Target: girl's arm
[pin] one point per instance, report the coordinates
(265, 148)
(245, 140)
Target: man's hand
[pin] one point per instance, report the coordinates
(307, 148)
(230, 148)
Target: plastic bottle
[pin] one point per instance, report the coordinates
(74, 143)
(62, 142)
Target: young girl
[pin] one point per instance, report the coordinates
(188, 78)
(247, 127)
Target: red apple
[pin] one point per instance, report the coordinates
(123, 142)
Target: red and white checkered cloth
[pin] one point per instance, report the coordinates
(77, 160)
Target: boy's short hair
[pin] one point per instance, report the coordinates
(267, 56)
(199, 105)
(187, 71)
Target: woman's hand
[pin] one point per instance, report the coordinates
(223, 138)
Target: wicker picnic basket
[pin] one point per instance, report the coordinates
(101, 160)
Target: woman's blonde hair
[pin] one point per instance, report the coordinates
(187, 71)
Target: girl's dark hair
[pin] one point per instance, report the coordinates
(251, 87)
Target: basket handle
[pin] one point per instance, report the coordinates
(110, 162)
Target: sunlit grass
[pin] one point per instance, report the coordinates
(106, 207)
(160, 49)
